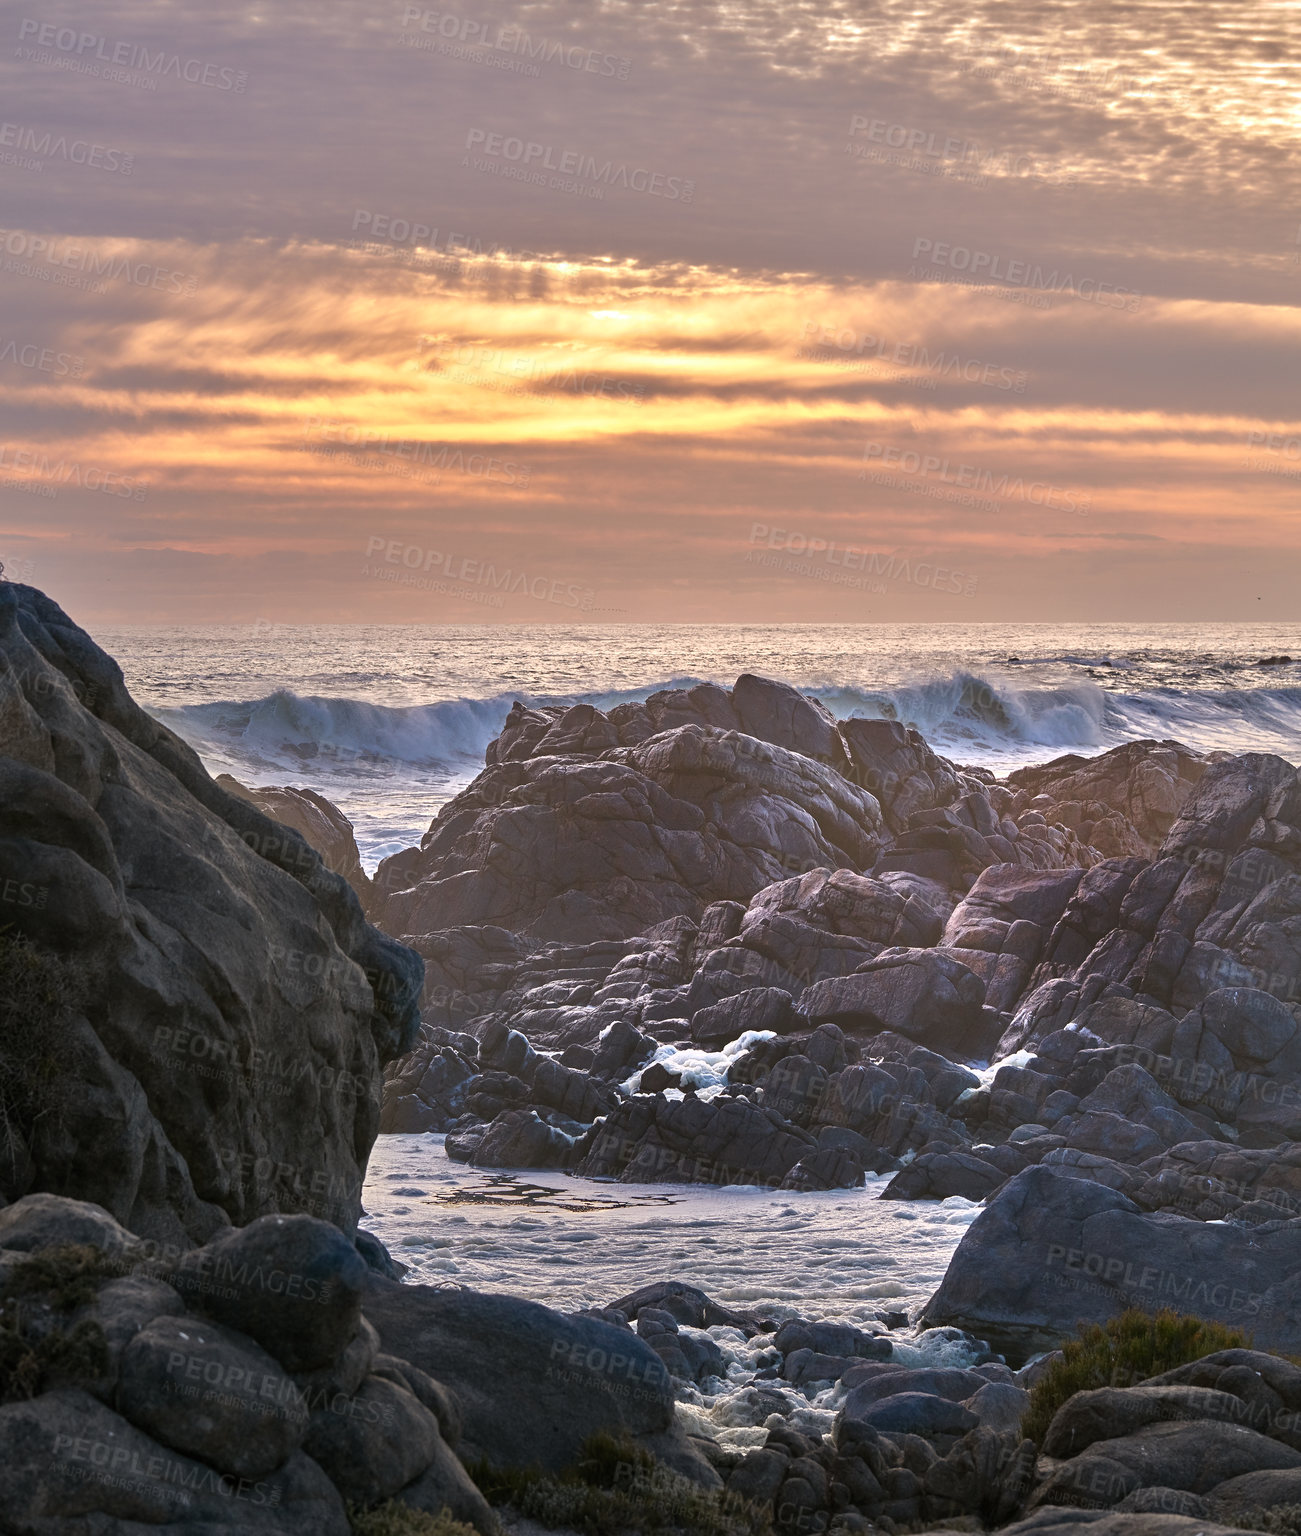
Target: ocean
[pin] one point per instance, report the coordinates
(390, 722)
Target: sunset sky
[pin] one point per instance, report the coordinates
(242, 383)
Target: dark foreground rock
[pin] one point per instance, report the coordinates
(196, 1010)
(322, 826)
(532, 1384)
(240, 1389)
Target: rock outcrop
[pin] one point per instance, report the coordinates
(237, 1387)
(195, 1010)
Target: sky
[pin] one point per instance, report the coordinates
(651, 310)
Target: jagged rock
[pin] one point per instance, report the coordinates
(1143, 784)
(896, 765)
(223, 991)
(520, 1138)
(760, 1008)
(930, 997)
(321, 824)
(562, 847)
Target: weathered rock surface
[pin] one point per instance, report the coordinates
(566, 848)
(146, 1416)
(229, 1009)
(323, 826)
(1139, 788)
(531, 1384)
(1049, 1251)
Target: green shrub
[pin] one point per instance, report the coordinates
(394, 1519)
(616, 1488)
(40, 996)
(37, 1344)
(1122, 1352)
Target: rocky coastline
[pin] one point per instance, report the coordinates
(717, 937)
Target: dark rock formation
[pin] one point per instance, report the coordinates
(222, 1008)
(263, 1407)
(1122, 802)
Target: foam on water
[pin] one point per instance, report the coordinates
(835, 1254)
(839, 1256)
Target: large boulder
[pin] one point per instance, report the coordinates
(291, 1283)
(570, 847)
(929, 996)
(1050, 1251)
(189, 974)
(532, 1385)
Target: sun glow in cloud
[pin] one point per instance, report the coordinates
(964, 284)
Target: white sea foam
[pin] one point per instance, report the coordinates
(838, 1254)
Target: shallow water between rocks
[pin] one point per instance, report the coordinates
(571, 1243)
